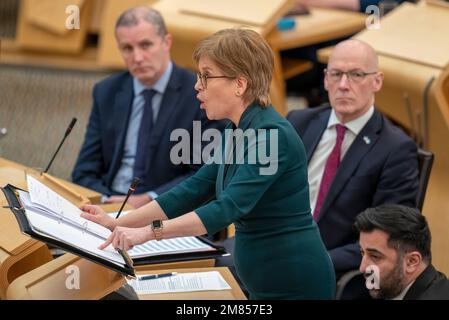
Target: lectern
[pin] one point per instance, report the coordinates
(66, 278)
(19, 253)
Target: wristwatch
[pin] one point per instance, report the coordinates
(157, 226)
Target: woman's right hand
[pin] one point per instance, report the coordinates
(98, 215)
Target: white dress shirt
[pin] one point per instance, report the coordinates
(403, 292)
(325, 146)
(124, 176)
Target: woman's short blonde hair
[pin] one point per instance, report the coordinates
(241, 52)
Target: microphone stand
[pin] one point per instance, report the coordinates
(69, 129)
(131, 190)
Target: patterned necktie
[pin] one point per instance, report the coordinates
(146, 126)
(332, 163)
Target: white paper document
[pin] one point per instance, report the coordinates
(45, 200)
(181, 282)
(53, 216)
(169, 246)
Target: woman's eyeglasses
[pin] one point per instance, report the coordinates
(204, 77)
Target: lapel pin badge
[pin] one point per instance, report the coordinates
(367, 140)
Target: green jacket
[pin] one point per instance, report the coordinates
(278, 250)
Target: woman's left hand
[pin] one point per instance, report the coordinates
(126, 238)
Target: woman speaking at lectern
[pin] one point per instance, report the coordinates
(278, 250)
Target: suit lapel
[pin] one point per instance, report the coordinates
(422, 283)
(314, 131)
(352, 158)
(121, 113)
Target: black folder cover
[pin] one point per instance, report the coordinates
(19, 212)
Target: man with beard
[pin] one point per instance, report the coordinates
(395, 245)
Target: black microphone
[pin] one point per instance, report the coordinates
(131, 190)
(69, 129)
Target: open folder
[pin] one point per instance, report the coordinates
(46, 216)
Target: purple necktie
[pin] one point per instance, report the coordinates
(330, 169)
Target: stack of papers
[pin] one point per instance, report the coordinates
(169, 246)
(49, 203)
(181, 282)
(52, 215)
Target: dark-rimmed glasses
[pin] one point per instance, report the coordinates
(355, 76)
(204, 77)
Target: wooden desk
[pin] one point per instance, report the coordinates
(30, 263)
(422, 40)
(19, 253)
(12, 54)
(14, 173)
(186, 28)
(320, 25)
(204, 263)
(234, 294)
(17, 260)
(49, 281)
(41, 26)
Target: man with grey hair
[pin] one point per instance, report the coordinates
(356, 158)
(134, 113)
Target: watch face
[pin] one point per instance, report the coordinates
(157, 224)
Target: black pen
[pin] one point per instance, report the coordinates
(157, 276)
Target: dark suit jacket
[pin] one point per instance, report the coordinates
(101, 154)
(385, 170)
(430, 285)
